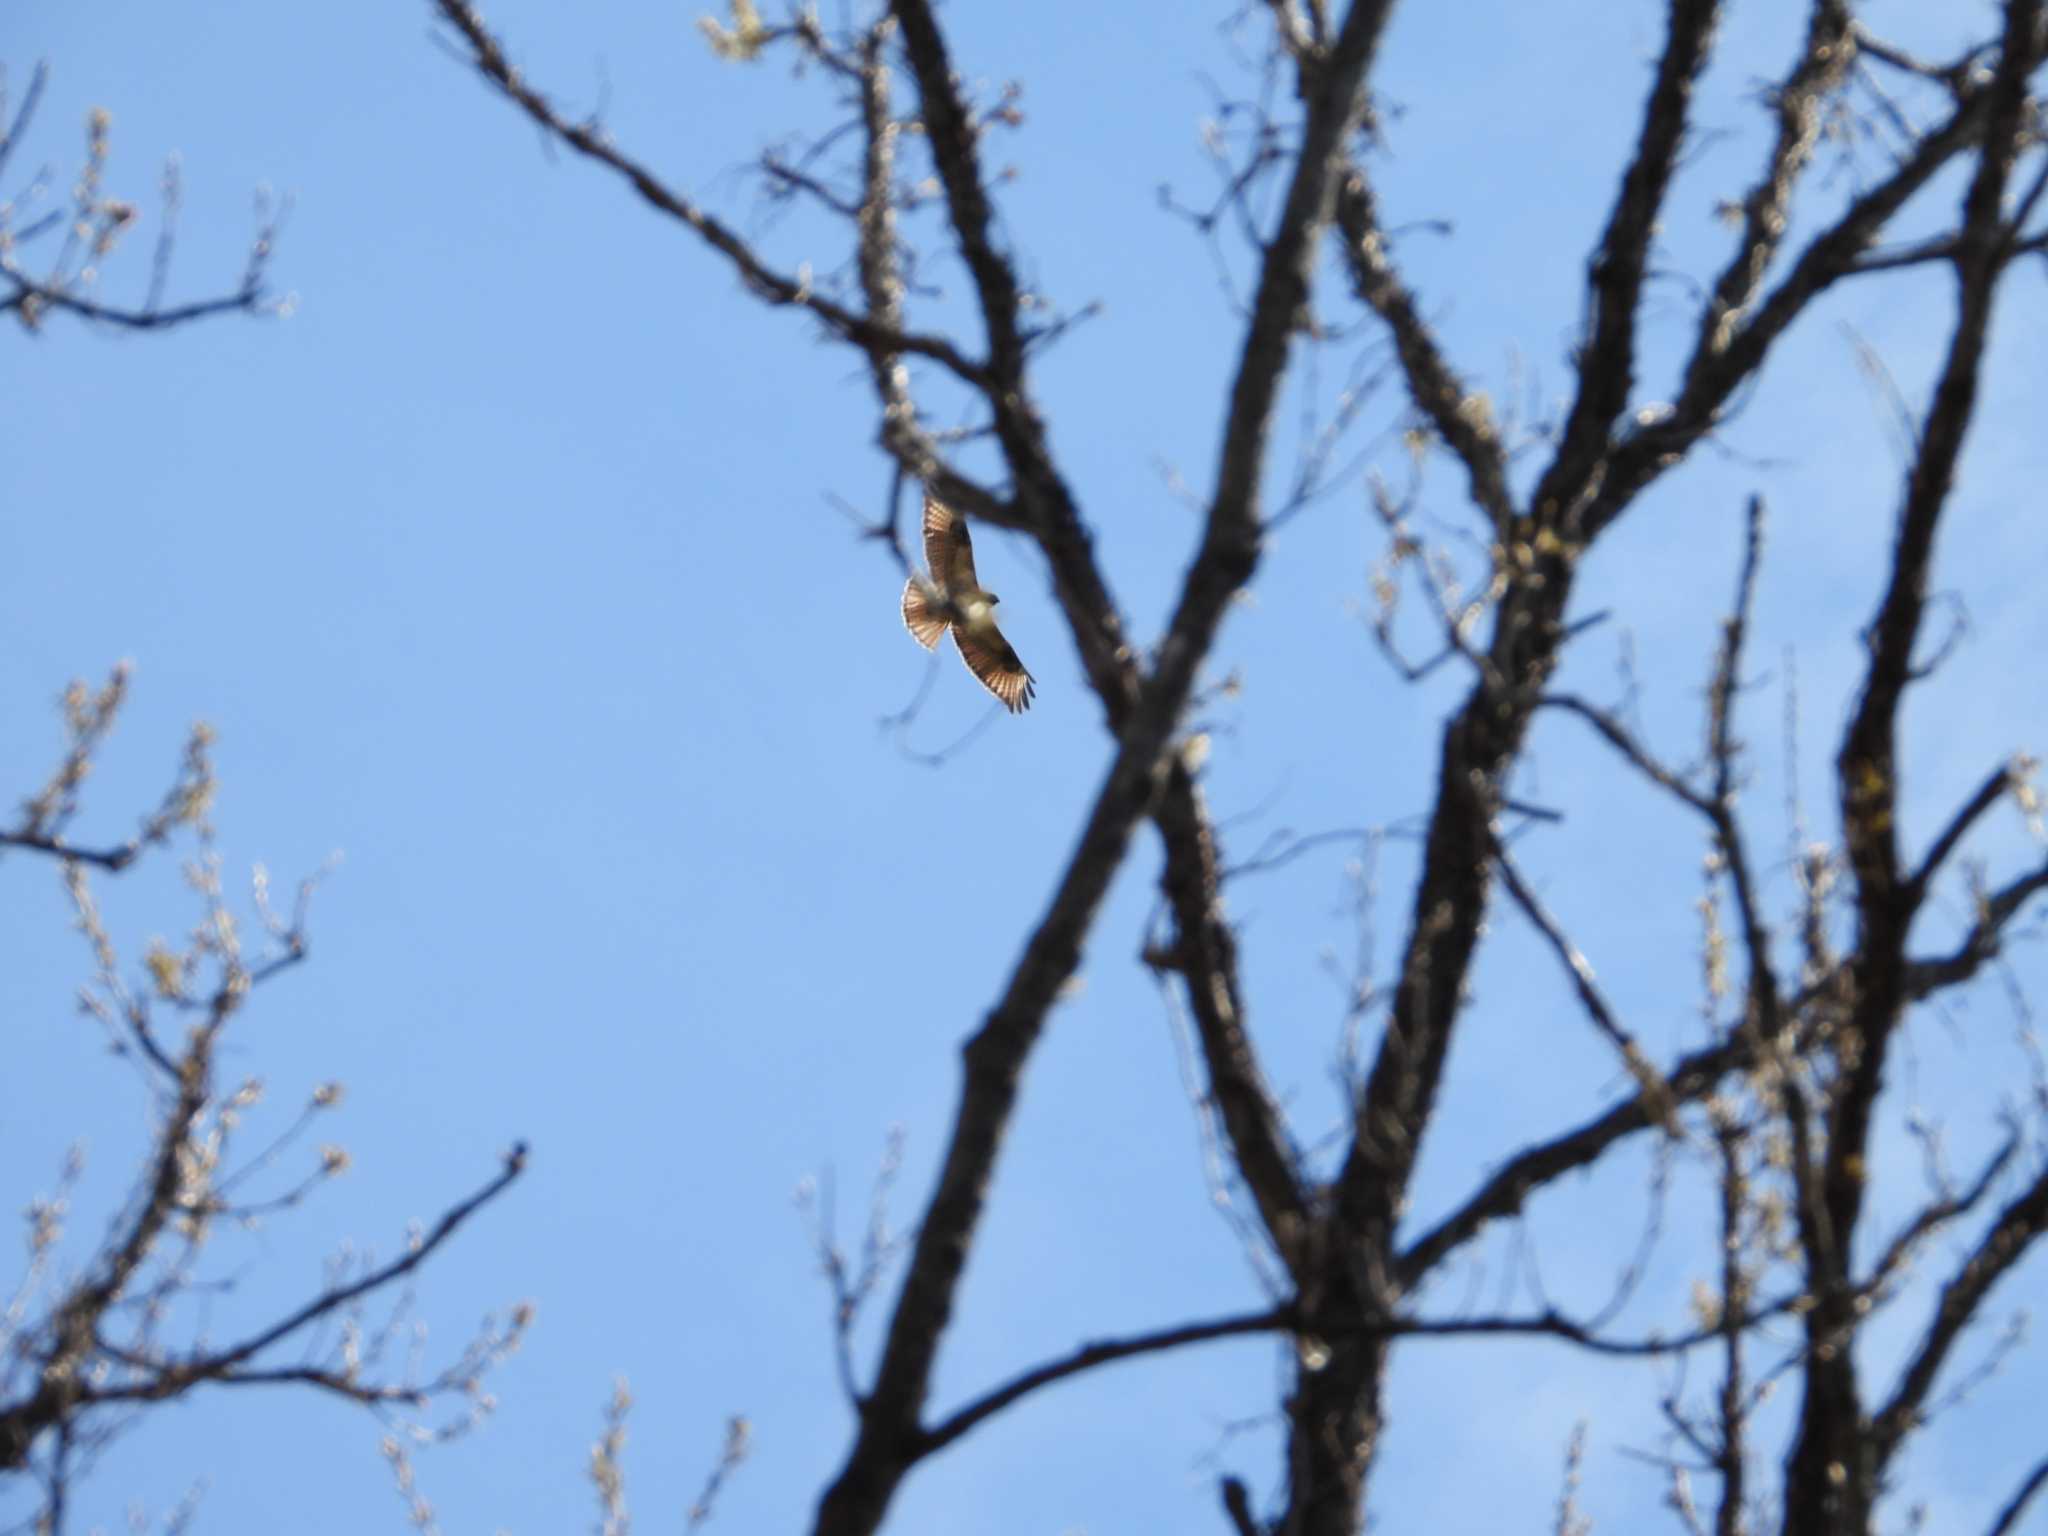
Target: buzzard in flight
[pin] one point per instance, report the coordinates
(953, 599)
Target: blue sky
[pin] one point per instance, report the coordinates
(504, 565)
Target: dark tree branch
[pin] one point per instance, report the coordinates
(1638, 756)
(488, 56)
(885, 1446)
(1657, 1099)
(63, 1392)
(1459, 416)
(1797, 104)
(1833, 1474)
(739, 1437)
(1288, 1319)
(10, 133)
(1044, 507)
(1923, 978)
(1338, 1245)
(1205, 953)
(1048, 505)
(1507, 1191)
(30, 297)
(113, 860)
(2019, 1225)
(1615, 276)
(1726, 357)
(2008, 1519)
(1335, 1410)
(93, 228)
(1237, 1505)
(1938, 1214)
(180, 1375)
(2000, 783)
(1867, 767)
(1090, 1356)
(63, 1384)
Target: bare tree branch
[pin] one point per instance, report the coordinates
(1615, 275)
(2000, 783)
(1786, 1078)
(2019, 1225)
(488, 56)
(2008, 1519)
(1833, 1472)
(94, 227)
(1459, 416)
(884, 1447)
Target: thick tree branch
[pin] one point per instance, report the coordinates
(1048, 505)
(1459, 416)
(886, 1446)
(1615, 277)
(1797, 104)
(1335, 1411)
(1834, 1472)
(1205, 953)
(1867, 766)
(1722, 363)
(1923, 978)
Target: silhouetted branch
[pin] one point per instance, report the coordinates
(62, 1393)
(72, 1370)
(2008, 1518)
(1792, 1069)
(1938, 1214)
(94, 227)
(1607, 353)
(2001, 782)
(1089, 1357)
(2020, 1224)
(1461, 418)
(488, 56)
(738, 1443)
(1656, 1096)
(1288, 1319)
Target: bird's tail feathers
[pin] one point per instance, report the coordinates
(924, 612)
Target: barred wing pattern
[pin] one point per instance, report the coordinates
(989, 657)
(923, 614)
(948, 552)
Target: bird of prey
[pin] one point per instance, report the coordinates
(953, 599)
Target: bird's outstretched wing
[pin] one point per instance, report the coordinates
(989, 658)
(923, 615)
(947, 548)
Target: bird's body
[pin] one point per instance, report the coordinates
(953, 599)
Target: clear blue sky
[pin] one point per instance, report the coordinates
(505, 566)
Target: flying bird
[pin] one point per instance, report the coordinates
(953, 599)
